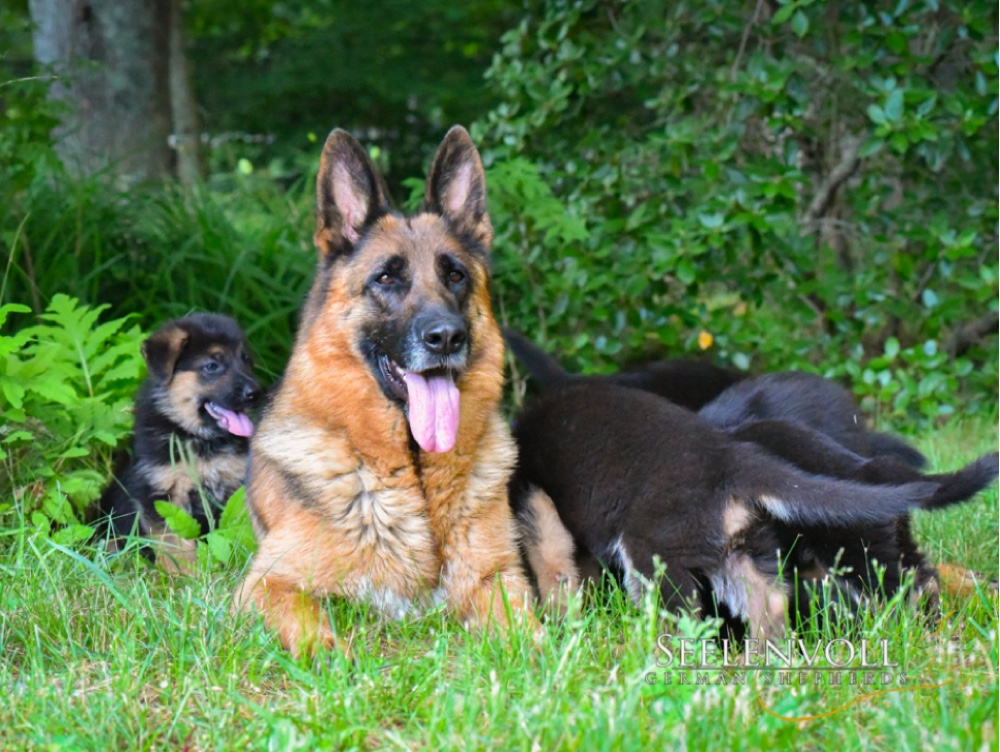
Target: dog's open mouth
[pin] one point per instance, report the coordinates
(432, 403)
(236, 422)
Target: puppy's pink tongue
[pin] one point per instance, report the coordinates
(433, 410)
(236, 423)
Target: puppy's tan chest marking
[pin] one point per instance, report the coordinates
(217, 476)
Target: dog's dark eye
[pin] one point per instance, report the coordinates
(384, 279)
(211, 367)
(455, 276)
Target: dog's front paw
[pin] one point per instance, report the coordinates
(306, 637)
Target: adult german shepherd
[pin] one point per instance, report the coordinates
(379, 471)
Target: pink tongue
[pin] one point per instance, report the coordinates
(235, 423)
(433, 411)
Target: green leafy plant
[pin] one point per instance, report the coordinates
(229, 543)
(795, 185)
(66, 387)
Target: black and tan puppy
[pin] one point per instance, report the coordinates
(815, 424)
(813, 429)
(634, 477)
(191, 434)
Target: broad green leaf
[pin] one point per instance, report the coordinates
(178, 520)
(13, 391)
(799, 23)
(73, 534)
(783, 13)
(877, 114)
(235, 509)
(219, 546)
(893, 107)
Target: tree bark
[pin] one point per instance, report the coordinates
(969, 334)
(111, 57)
(185, 137)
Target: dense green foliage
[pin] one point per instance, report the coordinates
(816, 188)
(67, 387)
(275, 78)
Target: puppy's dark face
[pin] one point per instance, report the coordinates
(203, 378)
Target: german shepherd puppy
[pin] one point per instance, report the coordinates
(379, 471)
(633, 477)
(191, 435)
(810, 422)
(815, 424)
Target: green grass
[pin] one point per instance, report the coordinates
(102, 653)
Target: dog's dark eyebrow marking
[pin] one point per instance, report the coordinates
(395, 263)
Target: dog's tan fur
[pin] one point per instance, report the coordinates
(550, 552)
(342, 505)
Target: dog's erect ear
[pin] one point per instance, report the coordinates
(456, 187)
(350, 195)
(161, 351)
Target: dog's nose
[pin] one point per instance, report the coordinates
(251, 392)
(445, 336)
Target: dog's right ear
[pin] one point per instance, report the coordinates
(350, 195)
(161, 351)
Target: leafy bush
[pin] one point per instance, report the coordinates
(240, 246)
(229, 543)
(66, 390)
(792, 185)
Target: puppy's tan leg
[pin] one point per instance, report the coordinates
(756, 596)
(175, 555)
(959, 582)
(550, 551)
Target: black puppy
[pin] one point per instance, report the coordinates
(633, 477)
(809, 400)
(815, 424)
(812, 423)
(191, 433)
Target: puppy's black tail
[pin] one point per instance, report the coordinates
(965, 483)
(893, 446)
(794, 496)
(541, 366)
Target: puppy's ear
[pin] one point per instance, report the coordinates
(350, 195)
(456, 187)
(161, 351)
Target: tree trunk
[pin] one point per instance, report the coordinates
(185, 138)
(111, 57)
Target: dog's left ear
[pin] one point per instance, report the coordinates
(350, 195)
(161, 351)
(456, 187)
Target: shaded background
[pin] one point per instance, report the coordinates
(765, 184)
